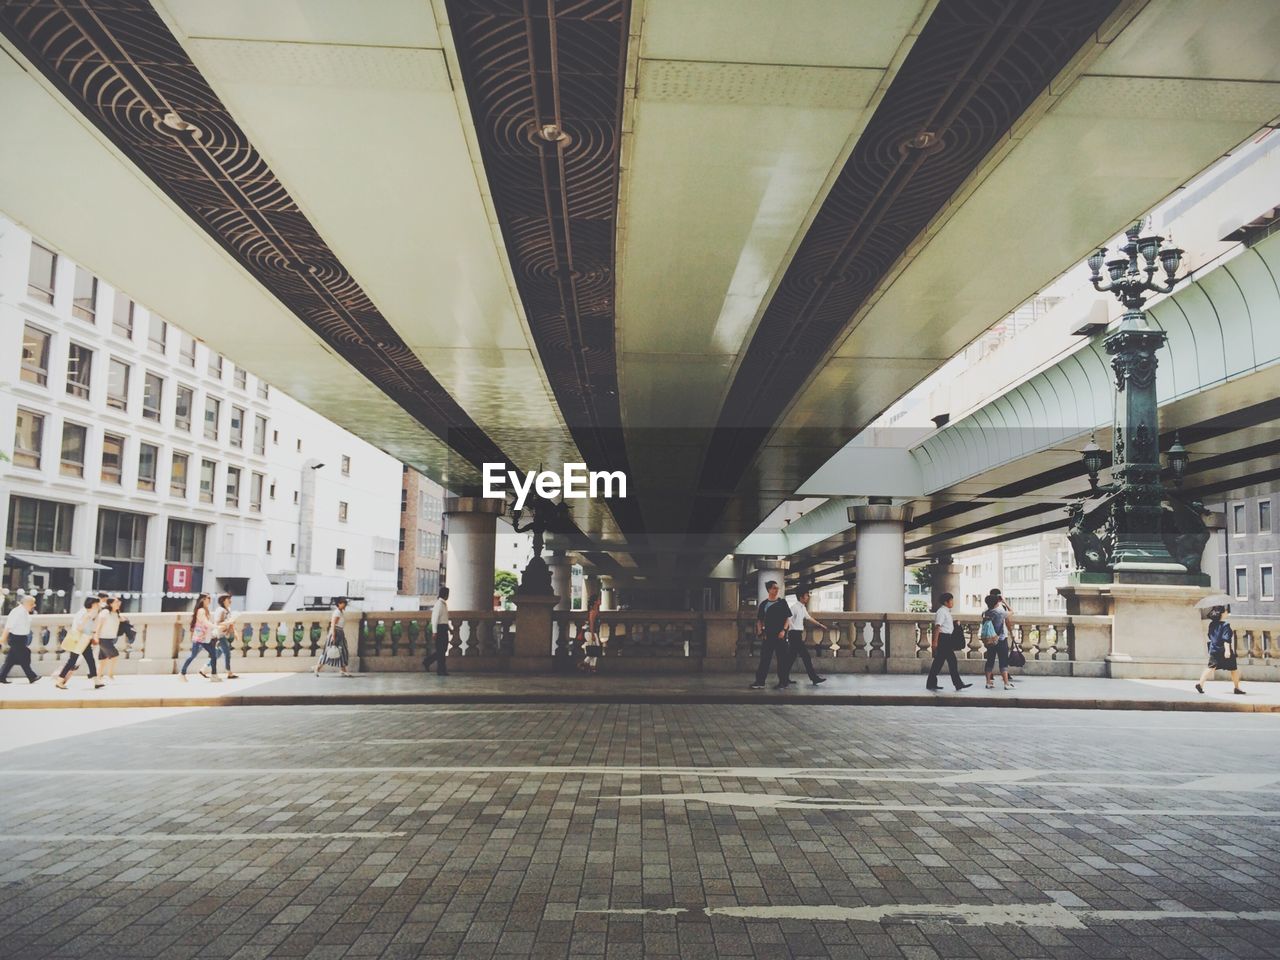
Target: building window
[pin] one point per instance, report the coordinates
(268, 546)
(260, 436)
(1264, 516)
(118, 385)
(183, 401)
(84, 301)
(187, 350)
(122, 316)
(185, 545)
(122, 544)
(75, 439)
(1266, 582)
(299, 444)
(112, 458)
(404, 500)
(275, 436)
(41, 526)
(35, 355)
(233, 486)
(264, 390)
(1237, 519)
(157, 335)
(152, 391)
(40, 273)
(341, 560)
(342, 511)
(215, 365)
(212, 411)
(207, 468)
(255, 492)
(1242, 583)
(240, 377)
(28, 440)
(346, 465)
(237, 427)
(272, 491)
(148, 459)
(79, 369)
(295, 496)
(178, 475)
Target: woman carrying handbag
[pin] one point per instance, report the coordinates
(334, 653)
(1222, 650)
(79, 642)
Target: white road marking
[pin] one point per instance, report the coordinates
(209, 837)
(1049, 914)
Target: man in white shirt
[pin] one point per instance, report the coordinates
(17, 630)
(799, 604)
(943, 644)
(440, 631)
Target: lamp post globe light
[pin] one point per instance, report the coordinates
(1138, 530)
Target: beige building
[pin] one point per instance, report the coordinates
(422, 537)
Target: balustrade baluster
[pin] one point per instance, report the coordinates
(879, 638)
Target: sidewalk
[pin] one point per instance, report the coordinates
(273, 689)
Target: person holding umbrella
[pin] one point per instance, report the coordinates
(1222, 648)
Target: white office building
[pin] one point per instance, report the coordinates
(137, 461)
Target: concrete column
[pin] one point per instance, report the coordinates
(591, 588)
(849, 596)
(471, 525)
(946, 579)
(561, 579)
(729, 595)
(880, 553)
(608, 596)
(770, 569)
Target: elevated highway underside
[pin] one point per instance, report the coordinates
(705, 244)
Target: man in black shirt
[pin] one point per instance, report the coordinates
(772, 619)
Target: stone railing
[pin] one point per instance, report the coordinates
(1257, 640)
(881, 642)
(478, 639)
(638, 633)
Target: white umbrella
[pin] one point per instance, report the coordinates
(1214, 600)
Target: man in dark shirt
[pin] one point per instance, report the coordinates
(772, 619)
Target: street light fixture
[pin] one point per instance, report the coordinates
(1130, 531)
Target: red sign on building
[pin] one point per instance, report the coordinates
(178, 577)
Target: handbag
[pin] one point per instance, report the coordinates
(75, 641)
(592, 650)
(333, 652)
(958, 641)
(1016, 657)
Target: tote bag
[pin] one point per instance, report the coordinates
(75, 641)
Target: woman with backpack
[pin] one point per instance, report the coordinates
(1222, 650)
(995, 636)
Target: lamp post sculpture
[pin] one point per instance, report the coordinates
(1140, 531)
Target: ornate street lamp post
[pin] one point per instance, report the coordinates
(1132, 531)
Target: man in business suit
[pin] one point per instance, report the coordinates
(773, 616)
(18, 631)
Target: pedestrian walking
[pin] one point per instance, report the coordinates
(1222, 650)
(334, 653)
(439, 634)
(224, 630)
(799, 606)
(773, 617)
(108, 633)
(18, 633)
(79, 642)
(592, 648)
(947, 639)
(995, 636)
(201, 631)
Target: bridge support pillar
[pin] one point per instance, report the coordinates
(471, 525)
(946, 579)
(850, 597)
(881, 555)
(608, 593)
(766, 570)
(561, 579)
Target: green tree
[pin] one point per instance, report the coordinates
(923, 575)
(504, 583)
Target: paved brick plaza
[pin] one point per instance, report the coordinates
(578, 830)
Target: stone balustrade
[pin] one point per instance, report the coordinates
(634, 641)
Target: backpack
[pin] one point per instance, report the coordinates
(988, 632)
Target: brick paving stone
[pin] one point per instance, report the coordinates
(482, 832)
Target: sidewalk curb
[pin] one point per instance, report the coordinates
(727, 698)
